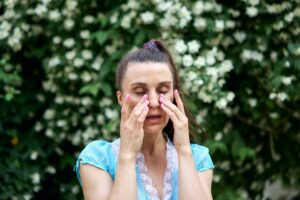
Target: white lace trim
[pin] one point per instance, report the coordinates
(171, 158)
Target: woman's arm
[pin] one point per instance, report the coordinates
(192, 185)
(98, 184)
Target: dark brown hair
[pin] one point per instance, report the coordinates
(159, 54)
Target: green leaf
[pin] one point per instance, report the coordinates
(92, 89)
(140, 38)
(106, 88)
(102, 36)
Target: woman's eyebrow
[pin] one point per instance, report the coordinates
(144, 84)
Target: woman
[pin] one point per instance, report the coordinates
(153, 158)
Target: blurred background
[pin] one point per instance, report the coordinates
(239, 63)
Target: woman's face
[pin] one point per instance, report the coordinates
(152, 79)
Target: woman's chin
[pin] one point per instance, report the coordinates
(148, 129)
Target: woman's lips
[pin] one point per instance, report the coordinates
(153, 118)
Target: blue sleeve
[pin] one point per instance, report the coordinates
(201, 157)
(96, 154)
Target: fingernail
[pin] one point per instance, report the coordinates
(127, 97)
(145, 96)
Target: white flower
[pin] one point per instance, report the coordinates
(70, 55)
(180, 46)
(212, 71)
(69, 24)
(86, 101)
(220, 25)
(210, 59)
(34, 155)
(85, 34)
(56, 40)
(27, 196)
(49, 114)
(199, 62)
(88, 19)
(194, 46)
(54, 15)
(61, 123)
(70, 42)
(114, 18)
(272, 96)
(53, 62)
(72, 76)
(49, 133)
(147, 17)
(86, 77)
(287, 80)
(222, 103)
(282, 96)
(126, 22)
(35, 178)
(97, 63)
(191, 76)
(164, 6)
(105, 102)
(111, 114)
(87, 54)
(200, 24)
(218, 136)
(75, 189)
(230, 96)
(216, 178)
(251, 11)
(225, 66)
(40, 9)
(239, 36)
(71, 4)
(252, 102)
(208, 6)
(254, 2)
(100, 119)
(78, 62)
(87, 120)
(204, 97)
(50, 169)
(198, 8)
(38, 126)
(187, 60)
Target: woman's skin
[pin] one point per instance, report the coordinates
(147, 90)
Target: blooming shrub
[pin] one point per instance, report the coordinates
(239, 63)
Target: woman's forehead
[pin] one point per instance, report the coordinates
(148, 73)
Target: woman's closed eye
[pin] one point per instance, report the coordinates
(143, 92)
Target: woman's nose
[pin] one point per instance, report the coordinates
(154, 100)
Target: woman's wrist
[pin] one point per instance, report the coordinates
(184, 151)
(126, 156)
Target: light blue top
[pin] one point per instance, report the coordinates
(103, 155)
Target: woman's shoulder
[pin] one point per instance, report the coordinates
(201, 157)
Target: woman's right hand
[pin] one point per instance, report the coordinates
(131, 129)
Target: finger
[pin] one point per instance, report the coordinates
(125, 108)
(179, 101)
(171, 114)
(137, 110)
(172, 107)
(142, 117)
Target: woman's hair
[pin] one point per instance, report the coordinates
(155, 51)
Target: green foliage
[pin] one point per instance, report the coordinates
(238, 61)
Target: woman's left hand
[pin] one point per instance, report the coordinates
(181, 137)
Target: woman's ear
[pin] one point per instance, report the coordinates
(120, 97)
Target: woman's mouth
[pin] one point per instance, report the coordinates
(153, 118)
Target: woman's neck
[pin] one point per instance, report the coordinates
(153, 144)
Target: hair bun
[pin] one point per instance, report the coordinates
(151, 45)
